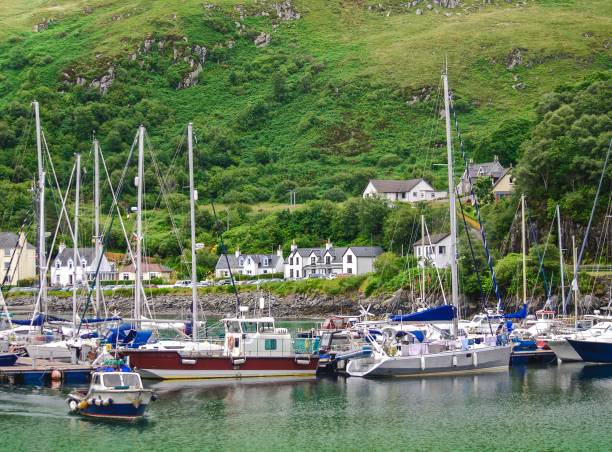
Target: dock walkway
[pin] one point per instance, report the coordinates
(38, 372)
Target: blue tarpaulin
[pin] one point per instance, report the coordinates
(38, 320)
(517, 315)
(101, 319)
(444, 313)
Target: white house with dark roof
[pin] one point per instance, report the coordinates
(150, 270)
(249, 264)
(434, 250)
(17, 258)
(355, 260)
(493, 170)
(413, 190)
(62, 267)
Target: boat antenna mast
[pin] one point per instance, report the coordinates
(138, 263)
(75, 249)
(193, 196)
(42, 260)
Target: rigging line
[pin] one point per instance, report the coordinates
(435, 266)
(63, 206)
(541, 269)
(586, 234)
(48, 260)
(164, 196)
(602, 240)
(219, 227)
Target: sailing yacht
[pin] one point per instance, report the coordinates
(411, 357)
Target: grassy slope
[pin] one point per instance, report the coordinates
(372, 61)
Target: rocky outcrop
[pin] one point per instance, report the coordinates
(262, 40)
(42, 26)
(286, 11)
(104, 82)
(515, 58)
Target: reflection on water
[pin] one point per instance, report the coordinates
(565, 407)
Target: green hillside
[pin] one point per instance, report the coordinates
(335, 93)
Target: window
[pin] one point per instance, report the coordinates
(418, 250)
(58, 264)
(313, 260)
(241, 261)
(297, 273)
(266, 262)
(349, 258)
(7, 265)
(290, 261)
(414, 194)
(290, 273)
(265, 271)
(404, 195)
(297, 261)
(422, 194)
(83, 263)
(270, 344)
(7, 252)
(70, 265)
(433, 195)
(126, 277)
(349, 271)
(328, 260)
(57, 279)
(441, 250)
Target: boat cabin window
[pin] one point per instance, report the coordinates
(266, 327)
(96, 380)
(249, 327)
(233, 327)
(114, 380)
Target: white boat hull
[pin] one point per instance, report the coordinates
(485, 359)
(564, 350)
(194, 374)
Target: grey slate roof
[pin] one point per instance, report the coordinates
(366, 251)
(257, 258)
(89, 254)
(394, 186)
(491, 169)
(8, 240)
(435, 238)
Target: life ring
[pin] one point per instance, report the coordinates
(230, 343)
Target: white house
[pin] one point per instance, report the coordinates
(413, 190)
(249, 264)
(150, 270)
(434, 251)
(504, 185)
(492, 170)
(18, 258)
(355, 260)
(62, 268)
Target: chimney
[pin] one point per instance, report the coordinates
(62, 247)
(328, 244)
(293, 246)
(237, 252)
(279, 251)
(495, 158)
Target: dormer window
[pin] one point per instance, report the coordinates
(349, 259)
(266, 262)
(83, 263)
(70, 265)
(328, 260)
(241, 261)
(297, 261)
(58, 264)
(313, 260)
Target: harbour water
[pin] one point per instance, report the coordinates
(565, 407)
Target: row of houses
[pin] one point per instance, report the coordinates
(301, 262)
(418, 190)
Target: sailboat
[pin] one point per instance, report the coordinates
(252, 346)
(450, 357)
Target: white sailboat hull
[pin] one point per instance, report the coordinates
(485, 359)
(564, 350)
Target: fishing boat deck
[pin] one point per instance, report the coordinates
(38, 372)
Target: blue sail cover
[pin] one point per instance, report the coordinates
(101, 319)
(444, 313)
(38, 320)
(517, 315)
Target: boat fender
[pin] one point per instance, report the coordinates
(110, 401)
(154, 397)
(83, 404)
(56, 375)
(230, 343)
(105, 402)
(91, 401)
(98, 402)
(73, 405)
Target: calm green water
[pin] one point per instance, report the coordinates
(566, 407)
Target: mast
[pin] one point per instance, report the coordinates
(423, 248)
(575, 281)
(75, 251)
(97, 238)
(561, 266)
(524, 246)
(138, 265)
(452, 207)
(42, 259)
(192, 199)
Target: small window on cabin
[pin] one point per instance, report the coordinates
(233, 327)
(249, 327)
(270, 344)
